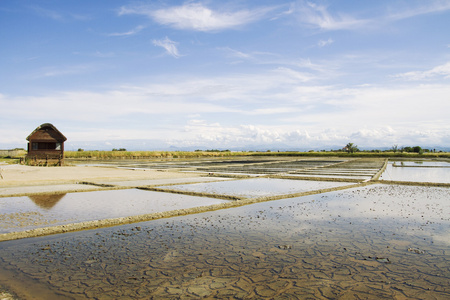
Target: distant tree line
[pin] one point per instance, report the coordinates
(416, 149)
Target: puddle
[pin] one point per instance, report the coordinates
(172, 163)
(372, 242)
(23, 213)
(421, 163)
(437, 172)
(256, 187)
(319, 175)
(271, 167)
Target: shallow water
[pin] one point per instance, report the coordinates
(23, 213)
(257, 187)
(331, 176)
(428, 172)
(373, 242)
(422, 163)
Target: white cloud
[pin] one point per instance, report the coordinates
(169, 45)
(433, 6)
(318, 16)
(293, 75)
(442, 71)
(195, 16)
(256, 57)
(207, 135)
(56, 71)
(237, 54)
(58, 16)
(127, 33)
(223, 112)
(274, 110)
(323, 43)
(47, 13)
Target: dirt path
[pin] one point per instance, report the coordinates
(19, 175)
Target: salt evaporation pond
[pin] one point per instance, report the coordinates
(378, 241)
(23, 213)
(257, 187)
(422, 163)
(438, 172)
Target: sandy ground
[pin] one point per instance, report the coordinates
(22, 176)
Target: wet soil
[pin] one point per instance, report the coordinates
(378, 241)
(363, 241)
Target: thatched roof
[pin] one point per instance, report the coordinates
(56, 134)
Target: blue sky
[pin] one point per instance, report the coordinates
(147, 75)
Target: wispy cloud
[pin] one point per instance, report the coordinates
(196, 16)
(79, 17)
(103, 54)
(236, 54)
(131, 32)
(323, 43)
(47, 13)
(63, 71)
(98, 54)
(284, 13)
(434, 6)
(317, 16)
(299, 113)
(257, 57)
(169, 45)
(58, 16)
(442, 71)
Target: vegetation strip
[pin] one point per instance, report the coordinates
(378, 174)
(106, 155)
(97, 184)
(190, 193)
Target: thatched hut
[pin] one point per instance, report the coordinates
(46, 146)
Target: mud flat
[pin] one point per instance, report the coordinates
(319, 240)
(377, 241)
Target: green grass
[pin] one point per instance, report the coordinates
(147, 154)
(358, 154)
(200, 154)
(9, 160)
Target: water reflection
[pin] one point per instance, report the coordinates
(46, 201)
(23, 213)
(257, 187)
(421, 163)
(372, 242)
(428, 172)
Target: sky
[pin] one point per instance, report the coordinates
(240, 75)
